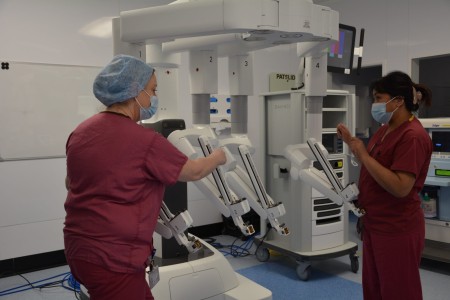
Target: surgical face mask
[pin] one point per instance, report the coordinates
(147, 113)
(380, 114)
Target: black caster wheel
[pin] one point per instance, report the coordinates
(262, 254)
(304, 271)
(354, 262)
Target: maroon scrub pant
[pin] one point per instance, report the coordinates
(103, 284)
(391, 266)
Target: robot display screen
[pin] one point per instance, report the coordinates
(340, 54)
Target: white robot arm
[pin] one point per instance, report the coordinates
(237, 206)
(327, 183)
(170, 225)
(214, 186)
(249, 184)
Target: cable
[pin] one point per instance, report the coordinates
(262, 240)
(236, 250)
(29, 283)
(73, 285)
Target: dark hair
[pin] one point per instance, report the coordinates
(399, 84)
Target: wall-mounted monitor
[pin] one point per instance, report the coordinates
(340, 54)
(441, 140)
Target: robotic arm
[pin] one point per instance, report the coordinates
(326, 182)
(213, 186)
(170, 225)
(236, 206)
(248, 183)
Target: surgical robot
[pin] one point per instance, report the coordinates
(209, 29)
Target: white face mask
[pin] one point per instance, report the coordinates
(380, 114)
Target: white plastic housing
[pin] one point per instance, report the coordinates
(203, 72)
(182, 221)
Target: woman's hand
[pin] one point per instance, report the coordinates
(356, 145)
(344, 133)
(220, 156)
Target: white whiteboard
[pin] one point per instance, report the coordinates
(40, 104)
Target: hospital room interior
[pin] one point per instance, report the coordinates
(266, 81)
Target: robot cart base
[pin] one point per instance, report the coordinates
(304, 259)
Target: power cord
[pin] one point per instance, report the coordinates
(238, 250)
(67, 282)
(262, 240)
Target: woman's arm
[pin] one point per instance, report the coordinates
(198, 168)
(397, 183)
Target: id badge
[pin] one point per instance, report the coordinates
(153, 276)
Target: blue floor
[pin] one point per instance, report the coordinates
(284, 283)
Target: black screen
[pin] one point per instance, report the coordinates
(441, 141)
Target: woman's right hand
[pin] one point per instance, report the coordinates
(356, 145)
(196, 169)
(344, 133)
(220, 156)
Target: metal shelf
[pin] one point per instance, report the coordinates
(437, 181)
(437, 251)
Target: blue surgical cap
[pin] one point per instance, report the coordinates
(122, 79)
